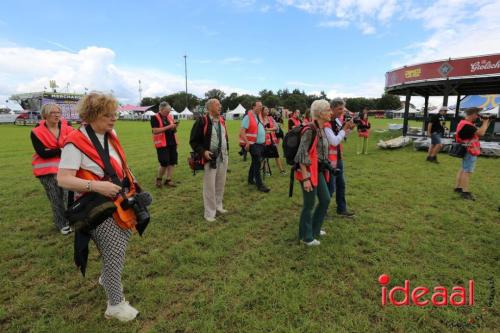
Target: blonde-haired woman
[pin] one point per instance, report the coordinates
(82, 170)
(48, 138)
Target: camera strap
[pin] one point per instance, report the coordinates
(104, 155)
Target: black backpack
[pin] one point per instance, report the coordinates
(291, 144)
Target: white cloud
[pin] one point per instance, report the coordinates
(24, 69)
(334, 24)
(370, 88)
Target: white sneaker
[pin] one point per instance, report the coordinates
(66, 230)
(210, 219)
(123, 311)
(322, 233)
(222, 211)
(314, 242)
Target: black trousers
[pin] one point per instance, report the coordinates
(256, 151)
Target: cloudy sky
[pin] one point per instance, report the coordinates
(343, 47)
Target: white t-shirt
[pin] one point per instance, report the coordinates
(72, 158)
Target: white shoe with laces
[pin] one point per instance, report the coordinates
(122, 311)
(222, 211)
(66, 230)
(210, 219)
(322, 233)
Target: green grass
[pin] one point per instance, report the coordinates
(246, 272)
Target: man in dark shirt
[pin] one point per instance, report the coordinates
(435, 130)
(164, 130)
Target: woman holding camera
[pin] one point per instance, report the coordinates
(48, 139)
(314, 173)
(272, 141)
(467, 133)
(83, 170)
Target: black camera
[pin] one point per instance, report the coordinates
(327, 166)
(139, 203)
(487, 116)
(354, 117)
(213, 161)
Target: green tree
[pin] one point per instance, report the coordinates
(388, 102)
(215, 93)
(178, 101)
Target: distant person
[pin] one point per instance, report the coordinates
(209, 139)
(363, 132)
(307, 117)
(48, 139)
(435, 130)
(339, 131)
(468, 134)
(313, 174)
(164, 129)
(294, 120)
(253, 134)
(82, 170)
(272, 141)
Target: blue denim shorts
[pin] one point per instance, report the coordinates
(435, 138)
(469, 163)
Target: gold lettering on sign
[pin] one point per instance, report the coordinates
(413, 73)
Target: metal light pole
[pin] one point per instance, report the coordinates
(186, 74)
(140, 93)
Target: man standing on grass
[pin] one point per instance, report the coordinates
(164, 131)
(336, 133)
(435, 130)
(209, 139)
(253, 135)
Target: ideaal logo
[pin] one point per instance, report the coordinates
(459, 295)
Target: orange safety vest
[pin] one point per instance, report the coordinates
(306, 121)
(295, 122)
(312, 169)
(125, 218)
(160, 139)
(364, 133)
(473, 145)
(271, 136)
(47, 166)
(332, 150)
(251, 131)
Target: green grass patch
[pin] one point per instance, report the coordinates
(246, 272)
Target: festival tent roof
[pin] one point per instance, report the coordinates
(238, 111)
(173, 112)
(436, 110)
(133, 108)
(481, 101)
(492, 112)
(149, 113)
(13, 106)
(187, 112)
(402, 110)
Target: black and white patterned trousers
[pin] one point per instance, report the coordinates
(56, 197)
(112, 243)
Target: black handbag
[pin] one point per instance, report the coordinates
(457, 150)
(89, 211)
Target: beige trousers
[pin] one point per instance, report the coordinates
(214, 181)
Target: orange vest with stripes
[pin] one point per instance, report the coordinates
(271, 136)
(160, 139)
(125, 218)
(253, 127)
(47, 166)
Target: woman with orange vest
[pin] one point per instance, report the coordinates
(294, 120)
(48, 139)
(313, 173)
(468, 134)
(272, 141)
(164, 130)
(83, 170)
(307, 118)
(363, 132)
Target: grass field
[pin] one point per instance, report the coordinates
(246, 272)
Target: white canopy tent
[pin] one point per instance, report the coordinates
(237, 113)
(399, 114)
(492, 112)
(448, 111)
(174, 113)
(186, 114)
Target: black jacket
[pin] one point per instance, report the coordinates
(199, 141)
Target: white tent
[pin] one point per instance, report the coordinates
(148, 114)
(237, 113)
(186, 114)
(492, 112)
(398, 114)
(174, 113)
(448, 111)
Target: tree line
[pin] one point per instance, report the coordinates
(292, 100)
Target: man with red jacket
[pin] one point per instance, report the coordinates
(468, 134)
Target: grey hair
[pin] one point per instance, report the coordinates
(337, 102)
(209, 103)
(46, 109)
(318, 106)
(165, 105)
